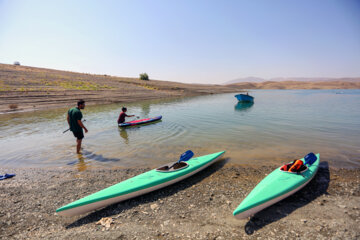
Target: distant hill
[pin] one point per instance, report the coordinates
(343, 84)
(295, 79)
(303, 79)
(246, 79)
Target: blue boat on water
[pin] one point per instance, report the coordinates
(244, 98)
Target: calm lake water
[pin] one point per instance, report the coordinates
(280, 126)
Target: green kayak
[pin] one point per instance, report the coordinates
(276, 186)
(139, 185)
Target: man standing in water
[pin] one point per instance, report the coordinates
(74, 117)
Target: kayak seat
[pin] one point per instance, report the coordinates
(295, 167)
(180, 165)
(171, 167)
(302, 168)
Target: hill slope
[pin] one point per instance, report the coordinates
(26, 88)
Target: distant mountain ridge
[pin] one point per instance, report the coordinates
(296, 79)
(298, 85)
(246, 79)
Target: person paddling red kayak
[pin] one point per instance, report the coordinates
(122, 115)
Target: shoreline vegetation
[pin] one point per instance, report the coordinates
(24, 88)
(199, 207)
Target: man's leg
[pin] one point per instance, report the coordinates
(78, 146)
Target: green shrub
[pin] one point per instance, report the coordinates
(144, 76)
(13, 106)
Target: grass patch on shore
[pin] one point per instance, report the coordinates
(4, 87)
(149, 87)
(76, 85)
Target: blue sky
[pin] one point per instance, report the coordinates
(185, 41)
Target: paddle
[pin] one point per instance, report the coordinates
(2, 177)
(69, 128)
(310, 158)
(135, 117)
(186, 156)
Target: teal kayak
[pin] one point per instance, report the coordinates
(139, 185)
(275, 187)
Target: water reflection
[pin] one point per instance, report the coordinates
(243, 106)
(124, 135)
(81, 165)
(145, 109)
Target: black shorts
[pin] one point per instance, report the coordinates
(79, 135)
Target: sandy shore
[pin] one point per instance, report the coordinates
(199, 207)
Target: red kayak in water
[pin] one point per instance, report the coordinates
(140, 121)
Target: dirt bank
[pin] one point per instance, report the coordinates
(197, 208)
(25, 88)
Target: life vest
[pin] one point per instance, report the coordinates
(296, 166)
(285, 167)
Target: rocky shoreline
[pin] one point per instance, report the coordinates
(199, 207)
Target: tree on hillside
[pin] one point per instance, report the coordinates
(144, 76)
(17, 63)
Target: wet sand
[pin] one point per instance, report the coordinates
(199, 207)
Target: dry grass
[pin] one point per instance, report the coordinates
(23, 78)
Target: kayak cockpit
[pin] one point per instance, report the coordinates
(285, 168)
(172, 167)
